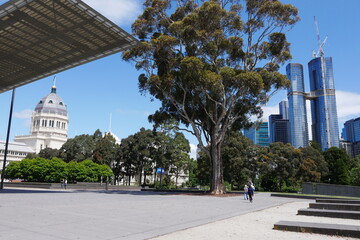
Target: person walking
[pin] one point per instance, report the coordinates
(246, 195)
(65, 183)
(251, 193)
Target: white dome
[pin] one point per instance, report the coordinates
(52, 103)
(117, 139)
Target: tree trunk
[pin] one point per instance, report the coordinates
(217, 183)
(144, 178)
(140, 177)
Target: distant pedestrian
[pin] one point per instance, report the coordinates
(65, 183)
(246, 195)
(62, 183)
(251, 193)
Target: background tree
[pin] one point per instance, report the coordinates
(209, 68)
(355, 171)
(237, 170)
(338, 162)
(280, 166)
(179, 156)
(143, 145)
(193, 180)
(125, 159)
(78, 148)
(105, 150)
(49, 153)
(313, 166)
(203, 169)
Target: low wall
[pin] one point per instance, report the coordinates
(77, 186)
(330, 189)
(30, 185)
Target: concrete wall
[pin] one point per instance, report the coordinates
(331, 189)
(78, 186)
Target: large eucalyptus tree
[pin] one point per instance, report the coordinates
(211, 64)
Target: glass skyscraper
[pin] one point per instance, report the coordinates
(325, 128)
(284, 109)
(258, 134)
(262, 134)
(278, 129)
(297, 106)
(352, 128)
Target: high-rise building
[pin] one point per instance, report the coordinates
(284, 109)
(325, 128)
(351, 134)
(352, 130)
(278, 129)
(297, 106)
(49, 126)
(262, 134)
(250, 133)
(259, 134)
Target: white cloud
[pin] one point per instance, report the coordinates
(24, 114)
(268, 110)
(121, 12)
(348, 105)
(193, 151)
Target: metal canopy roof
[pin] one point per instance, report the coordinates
(39, 38)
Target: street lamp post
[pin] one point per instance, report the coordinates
(7, 139)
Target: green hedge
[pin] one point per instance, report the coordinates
(44, 170)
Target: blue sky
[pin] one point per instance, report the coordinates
(109, 85)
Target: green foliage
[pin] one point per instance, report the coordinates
(78, 148)
(193, 180)
(313, 166)
(140, 154)
(104, 150)
(49, 153)
(227, 186)
(355, 176)
(338, 162)
(291, 189)
(203, 170)
(235, 156)
(44, 170)
(94, 147)
(279, 165)
(211, 65)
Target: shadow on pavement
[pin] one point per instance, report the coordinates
(32, 191)
(130, 192)
(22, 191)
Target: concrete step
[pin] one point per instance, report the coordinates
(346, 201)
(320, 228)
(336, 206)
(329, 213)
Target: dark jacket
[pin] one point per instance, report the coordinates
(251, 191)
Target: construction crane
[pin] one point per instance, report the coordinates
(320, 54)
(320, 51)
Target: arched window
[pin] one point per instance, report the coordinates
(41, 102)
(51, 101)
(61, 103)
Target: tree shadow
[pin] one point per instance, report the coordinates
(24, 191)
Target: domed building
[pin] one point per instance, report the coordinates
(49, 128)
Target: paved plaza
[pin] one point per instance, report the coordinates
(100, 215)
(111, 215)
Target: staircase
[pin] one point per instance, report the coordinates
(333, 208)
